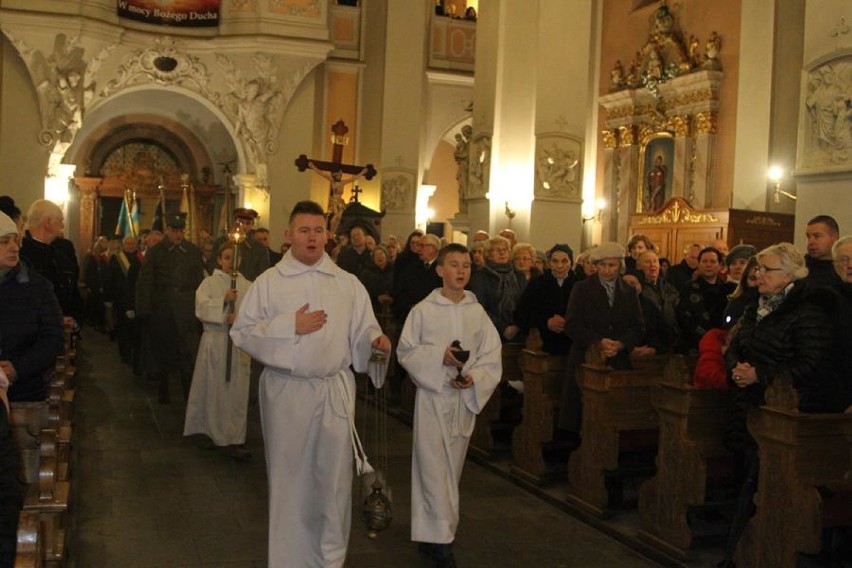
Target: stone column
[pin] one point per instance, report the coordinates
(402, 114)
(563, 93)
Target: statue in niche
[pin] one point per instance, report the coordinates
(461, 155)
(655, 193)
(654, 70)
(479, 164)
(616, 76)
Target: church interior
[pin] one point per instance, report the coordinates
(574, 122)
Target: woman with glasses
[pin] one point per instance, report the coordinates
(787, 334)
(498, 288)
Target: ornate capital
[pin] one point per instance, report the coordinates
(680, 126)
(706, 122)
(626, 136)
(610, 140)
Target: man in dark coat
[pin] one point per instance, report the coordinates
(545, 299)
(822, 232)
(253, 257)
(122, 273)
(165, 299)
(355, 257)
(603, 311)
(702, 300)
(417, 280)
(680, 274)
(31, 332)
(53, 256)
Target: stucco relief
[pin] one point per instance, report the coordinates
(301, 8)
(397, 193)
(827, 116)
(557, 167)
(62, 85)
(164, 63)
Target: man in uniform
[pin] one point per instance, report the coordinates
(165, 298)
(253, 257)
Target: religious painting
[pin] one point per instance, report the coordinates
(182, 13)
(656, 172)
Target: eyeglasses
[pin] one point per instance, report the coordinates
(841, 260)
(762, 270)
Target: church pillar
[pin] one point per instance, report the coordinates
(88, 199)
(402, 115)
(502, 148)
(562, 96)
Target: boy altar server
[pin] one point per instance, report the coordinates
(446, 406)
(307, 321)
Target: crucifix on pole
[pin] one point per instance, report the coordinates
(333, 171)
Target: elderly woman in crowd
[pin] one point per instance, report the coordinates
(603, 311)
(842, 255)
(498, 286)
(377, 278)
(786, 334)
(584, 267)
(702, 300)
(523, 257)
(545, 299)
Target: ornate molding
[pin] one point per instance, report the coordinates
(164, 63)
(678, 212)
(825, 140)
(610, 139)
(680, 125)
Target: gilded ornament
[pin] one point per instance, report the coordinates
(676, 213)
(610, 141)
(626, 136)
(679, 125)
(763, 220)
(706, 122)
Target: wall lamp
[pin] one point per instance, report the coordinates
(600, 205)
(776, 174)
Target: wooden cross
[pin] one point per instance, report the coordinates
(339, 140)
(333, 171)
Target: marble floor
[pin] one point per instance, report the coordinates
(144, 495)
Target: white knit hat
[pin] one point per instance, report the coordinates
(7, 226)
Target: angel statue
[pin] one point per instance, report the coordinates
(257, 109)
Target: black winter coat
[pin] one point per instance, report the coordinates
(542, 299)
(31, 331)
(793, 341)
(58, 264)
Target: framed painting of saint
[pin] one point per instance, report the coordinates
(655, 172)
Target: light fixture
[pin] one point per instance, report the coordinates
(600, 205)
(776, 174)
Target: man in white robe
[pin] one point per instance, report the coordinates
(307, 321)
(449, 396)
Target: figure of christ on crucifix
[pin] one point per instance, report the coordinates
(333, 171)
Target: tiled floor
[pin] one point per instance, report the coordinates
(147, 496)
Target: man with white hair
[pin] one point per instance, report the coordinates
(602, 311)
(53, 256)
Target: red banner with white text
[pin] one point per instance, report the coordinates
(183, 13)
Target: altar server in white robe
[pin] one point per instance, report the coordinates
(446, 407)
(307, 321)
(217, 407)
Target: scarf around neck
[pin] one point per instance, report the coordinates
(508, 289)
(768, 303)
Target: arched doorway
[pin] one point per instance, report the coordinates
(152, 143)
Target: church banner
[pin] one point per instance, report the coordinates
(183, 13)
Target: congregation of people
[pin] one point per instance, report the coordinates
(206, 315)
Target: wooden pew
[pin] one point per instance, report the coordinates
(691, 425)
(482, 441)
(617, 418)
(805, 481)
(543, 377)
(28, 553)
